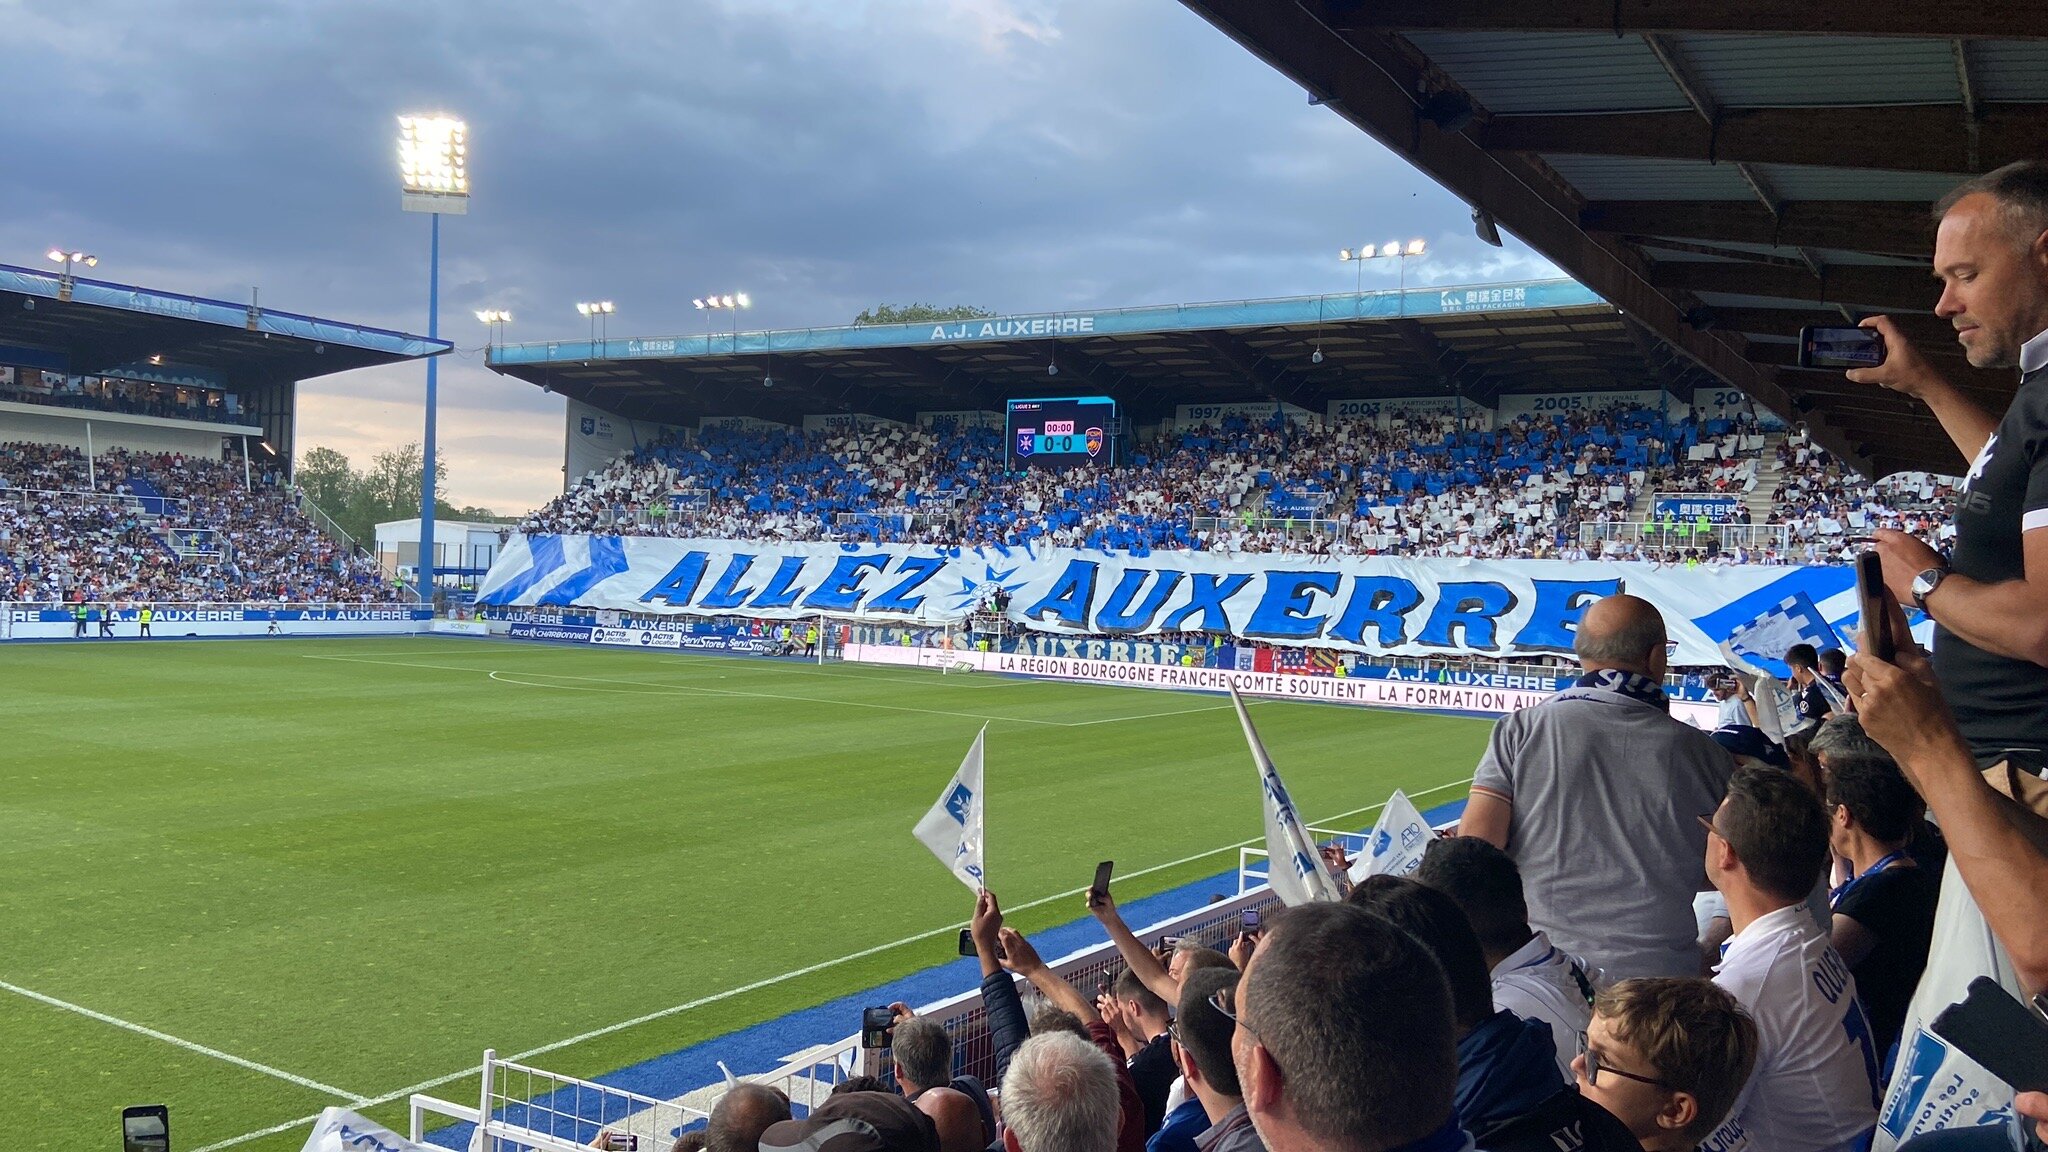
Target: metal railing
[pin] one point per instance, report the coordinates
(68, 497)
(1682, 536)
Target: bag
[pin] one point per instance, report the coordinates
(1934, 1087)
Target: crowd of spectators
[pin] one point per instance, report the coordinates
(164, 528)
(1426, 485)
(111, 394)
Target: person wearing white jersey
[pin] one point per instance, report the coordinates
(1816, 1083)
(1532, 977)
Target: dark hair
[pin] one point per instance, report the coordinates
(1487, 886)
(1357, 1014)
(1204, 1032)
(1802, 656)
(1877, 796)
(1833, 661)
(1051, 1019)
(693, 1140)
(1777, 829)
(2021, 189)
(859, 1084)
(1129, 987)
(1436, 920)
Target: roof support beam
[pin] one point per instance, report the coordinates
(1883, 227)
(1373, 83)
(1970, 19)
(1275, 381)
(1867, 285)
(1899, 138)
(1452, 368)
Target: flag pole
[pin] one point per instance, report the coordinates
(981, 738)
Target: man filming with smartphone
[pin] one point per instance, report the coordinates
(1990, 600)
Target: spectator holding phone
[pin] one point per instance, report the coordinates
(1989, 600)
(1020, 957)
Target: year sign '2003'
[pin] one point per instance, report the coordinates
(1062, 432)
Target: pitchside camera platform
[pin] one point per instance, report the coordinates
(1063, 432)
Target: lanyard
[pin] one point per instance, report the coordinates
(1835, 897)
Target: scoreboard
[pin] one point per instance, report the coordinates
(1063, 432)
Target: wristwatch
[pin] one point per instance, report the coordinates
(1924, 585)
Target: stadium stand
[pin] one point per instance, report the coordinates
(1422, 486)
(162, 527)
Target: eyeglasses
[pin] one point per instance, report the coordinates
(1707, 822)
(1594, 1067)
(1224, 1000)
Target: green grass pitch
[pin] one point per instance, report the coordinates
(360, 862)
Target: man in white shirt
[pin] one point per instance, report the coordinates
(1816, 1083)
(1532, 978)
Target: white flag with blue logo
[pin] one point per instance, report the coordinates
(1398, 841)
(952, 829)
(340, 1130)
(1293, 866)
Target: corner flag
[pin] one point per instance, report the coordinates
(1293, 866)
(952, 829)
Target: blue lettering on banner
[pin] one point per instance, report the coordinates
(841, 590)
(1381, 603)
(1554, 618)
(1283, 612)
(1470, 608)
(676, 588)
(1207, 594)
(1070, 596)
(1118, 616)
(726, 594)
(781, 591)
(915, 570)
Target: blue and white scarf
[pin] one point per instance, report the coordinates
(1629, 684)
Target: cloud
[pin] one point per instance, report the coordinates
(824, 155)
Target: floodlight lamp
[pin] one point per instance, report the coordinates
(744, 302)
(698, 302)
(1343, 253)
(1416, 247)
(56, 255)
(1316, 357)
(726, 300)
(605, 306)
(1391, 248)
(583, 308)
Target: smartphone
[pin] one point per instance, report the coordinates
(1168, 943)
(877, 1027)
(621, 1142)
(1248, 921)
(1840, 348)
(1997, 1031)
(1875, 604)
(146, 1128)
(1100, 888)
(967, 947)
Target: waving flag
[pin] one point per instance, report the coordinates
(340, 1130)
(952, 829)
(1398, 841)
(1293, 866)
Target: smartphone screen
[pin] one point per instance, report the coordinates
(877, 1025)
(146, 1129)
(967, 942)
(1840, 348)
(1248, 920)
(1875, 606)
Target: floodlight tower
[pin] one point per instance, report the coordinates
(433, 174)
(69, 260)
(730, 301)
(1393, 250)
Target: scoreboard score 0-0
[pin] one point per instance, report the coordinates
(1062, 432)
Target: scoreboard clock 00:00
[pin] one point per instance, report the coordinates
(1062, 432)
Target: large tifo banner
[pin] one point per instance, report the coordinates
(1375, 605)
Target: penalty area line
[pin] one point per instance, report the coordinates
(799, 973)
(187, 1045)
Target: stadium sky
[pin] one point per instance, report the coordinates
(822, 155)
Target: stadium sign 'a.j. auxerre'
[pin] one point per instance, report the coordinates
(1380, 605)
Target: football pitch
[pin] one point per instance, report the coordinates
(250, 879)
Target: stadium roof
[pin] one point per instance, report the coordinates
(1725, 172)
(98, 327)
(1480, 341)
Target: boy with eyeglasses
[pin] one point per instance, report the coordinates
(1668, 1057)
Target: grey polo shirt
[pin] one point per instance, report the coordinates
(1607, 791)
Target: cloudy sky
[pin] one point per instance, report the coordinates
(823, 155)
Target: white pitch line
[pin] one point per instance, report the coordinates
(187, 1045)
(771, 981)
